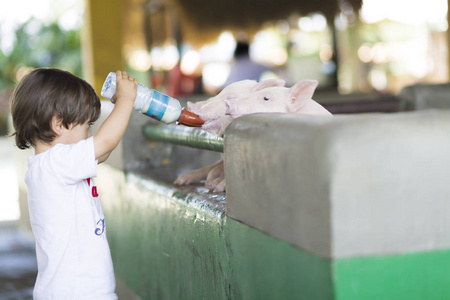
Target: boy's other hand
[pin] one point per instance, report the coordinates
(126, 87)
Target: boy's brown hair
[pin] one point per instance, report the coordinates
(45, 93)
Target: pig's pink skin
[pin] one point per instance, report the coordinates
(296, 99)
(212, 111)
(197, 175)
(214, 107)
(216, 179)
(214, 175)
(221, 186)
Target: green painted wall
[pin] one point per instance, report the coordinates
(419, 276)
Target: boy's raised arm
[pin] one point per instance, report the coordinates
(111, 131)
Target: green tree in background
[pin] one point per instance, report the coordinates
(38, 45)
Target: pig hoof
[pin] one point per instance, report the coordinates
(221, 187)
(184, 179)
(179, 181)
(216, 174)
(211, 184)
(215, 184)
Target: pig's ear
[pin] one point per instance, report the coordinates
(300, 92)
(268, 83)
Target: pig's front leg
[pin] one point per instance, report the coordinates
(220, 187)
(216, 178)
(197, 175)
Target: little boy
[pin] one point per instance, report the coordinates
(52, 111)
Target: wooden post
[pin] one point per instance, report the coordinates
(102, 40)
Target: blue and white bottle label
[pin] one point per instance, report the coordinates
(158, 106)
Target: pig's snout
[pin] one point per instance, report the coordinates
(230, 107)
(234, 108)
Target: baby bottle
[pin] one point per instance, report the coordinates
(154, 104)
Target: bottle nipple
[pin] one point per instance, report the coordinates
(190, 119)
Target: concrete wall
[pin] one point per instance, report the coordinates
(349, 207)
(356, 185)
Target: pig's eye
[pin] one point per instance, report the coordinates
(266, 98)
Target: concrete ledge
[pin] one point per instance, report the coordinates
(346, 186)
(425, 96)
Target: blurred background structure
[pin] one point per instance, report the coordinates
(186, 47)
(351, 46)
(358, 50)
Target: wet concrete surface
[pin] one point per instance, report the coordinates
(18, 267)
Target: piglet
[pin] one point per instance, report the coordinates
(297, 99)
(212, 111)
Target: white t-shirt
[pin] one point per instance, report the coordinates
(74, 261)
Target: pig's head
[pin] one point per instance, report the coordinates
(272, 99)
(212, 110)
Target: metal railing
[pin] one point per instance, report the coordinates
(182, 135)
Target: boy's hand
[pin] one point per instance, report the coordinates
(113, 128)
(126, 87)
